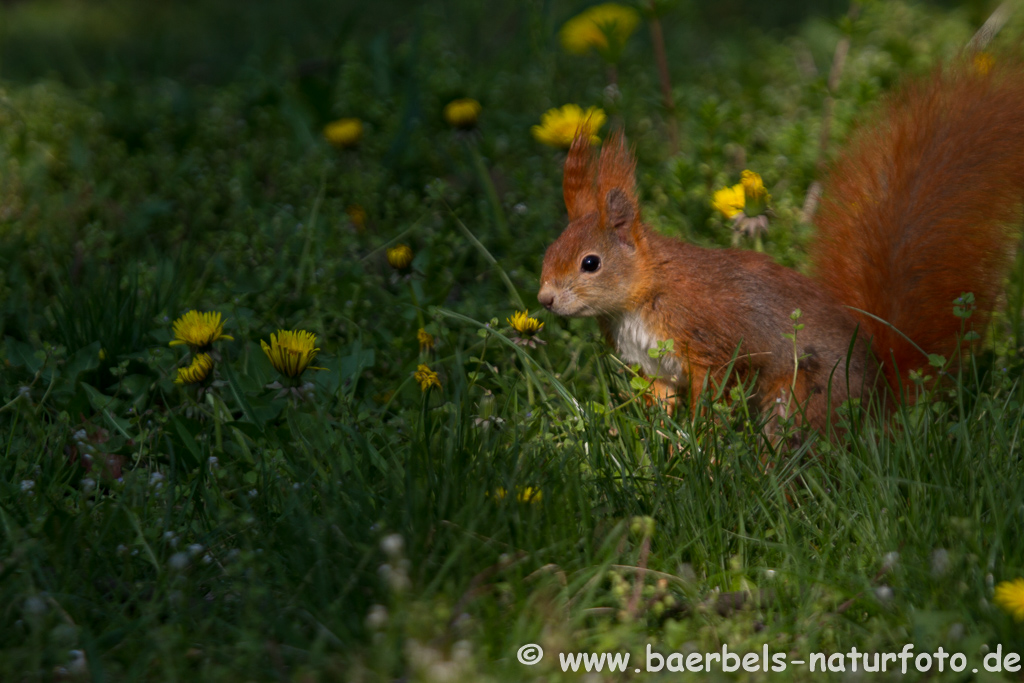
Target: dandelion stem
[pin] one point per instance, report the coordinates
(488, 184)
(396, 239)
(307, 245)
(516, 299)
(828, 107)
(658, 41)
(416, 304)
(17, 397)
(46, 395)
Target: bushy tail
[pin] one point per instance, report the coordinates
(922, 208)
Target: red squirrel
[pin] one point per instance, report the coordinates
(917, 211)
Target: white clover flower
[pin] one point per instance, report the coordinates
(377, 618)
(178, 561)
(884, 594)
(78, 666)
(34, 605)
(88, 485)
(940, 562)
(889, 560)
(195, 548)
(27, 484)
(393, 545)
(462, 650)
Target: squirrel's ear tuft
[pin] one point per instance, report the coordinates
(578, 181)
(616, 183)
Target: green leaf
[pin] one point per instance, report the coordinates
(21, 354)
(188, 440)
(84, 360)
(99, 401)
(239, 395)
(640, 384)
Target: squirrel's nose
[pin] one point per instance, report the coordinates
(546, 296)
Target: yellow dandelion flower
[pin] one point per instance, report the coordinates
(344, 132)
(357, 215)
(197, 371)
(462, 113)
(198, 330)
(522, 323)
(604, 28)
(755, 197)
(291, 351)
(1010, 596)
(729, 201)
(400, 256)
(526, 494)
(425, 339)
(528, 327)
(983, 62)
(426, 377)
(559, 126)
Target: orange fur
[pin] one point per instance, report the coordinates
(917, 211)
(914, 214)
(578, 179)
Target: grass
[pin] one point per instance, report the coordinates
(373, 531)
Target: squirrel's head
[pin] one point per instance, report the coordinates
(591, 268)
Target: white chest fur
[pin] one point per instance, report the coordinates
(633, 339)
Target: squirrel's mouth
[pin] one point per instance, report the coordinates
(571, 308)
(564, 302)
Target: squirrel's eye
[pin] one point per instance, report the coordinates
(591, 263)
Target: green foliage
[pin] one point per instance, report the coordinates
(354, 526)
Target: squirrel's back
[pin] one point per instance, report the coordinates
(921, 208)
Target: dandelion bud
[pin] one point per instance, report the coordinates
(357, 215)
(425, 339)
(344, 132)
(399, 256)
(197, 371)
(462, 113)
(755, 196)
